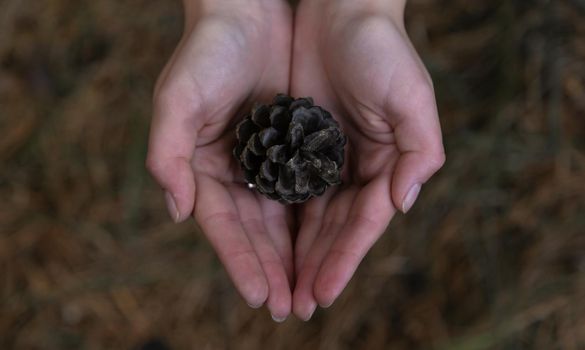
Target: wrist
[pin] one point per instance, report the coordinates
(197, 9)
(232, 6)
(393, 9)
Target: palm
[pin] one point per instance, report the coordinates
(364, 71)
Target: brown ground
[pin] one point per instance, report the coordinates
(491, 257)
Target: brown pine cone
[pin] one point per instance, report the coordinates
(290, 150)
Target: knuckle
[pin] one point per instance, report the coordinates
(225, 217)
(153, 165)
(420, 96)
(163, 98)
(240, 254)
(437, 160)
(422, 90)
(177, 105)
(159, 92)
(170, 98)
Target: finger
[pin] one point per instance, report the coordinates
(304, 302)
(367, 220)
(278, 222)
(418, 137)
(173, 135)
(311, 220)
(279, 294)
(218, 217)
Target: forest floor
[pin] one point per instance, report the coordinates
(491, 257)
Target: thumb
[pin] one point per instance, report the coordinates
(172, 141)
(413, 169)
(418, 137)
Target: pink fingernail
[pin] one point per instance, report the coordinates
(253, 306)
(278, 319)
(310, 315)
(172, 207)
(410, 197)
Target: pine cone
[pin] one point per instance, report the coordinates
(290, 150)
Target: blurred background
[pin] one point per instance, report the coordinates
(491, 257)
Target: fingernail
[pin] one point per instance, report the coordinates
(278, 319)
(410, 197)
(172, 207)
(310, 315)
(326, 305)
(254, 306)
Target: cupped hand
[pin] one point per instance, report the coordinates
(355, 59)
(231, 53)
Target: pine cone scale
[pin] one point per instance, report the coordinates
(245, 130)
(268, 137)
(261, 116)
(280, 118)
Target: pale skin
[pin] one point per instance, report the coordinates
(355, 59)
